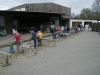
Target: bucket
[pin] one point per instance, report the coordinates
(12, 49)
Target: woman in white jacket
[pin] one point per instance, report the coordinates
(14, 30)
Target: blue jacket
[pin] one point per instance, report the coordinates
(65, 30)
(34, 35)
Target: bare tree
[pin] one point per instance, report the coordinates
(96, 8)
(72, 15)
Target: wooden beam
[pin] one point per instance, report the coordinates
(24, 40)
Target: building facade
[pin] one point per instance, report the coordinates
(44, 7)
(72, 22)
(27, 15)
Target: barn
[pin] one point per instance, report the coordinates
(35, 14)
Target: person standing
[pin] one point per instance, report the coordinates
(18, 39)
(62, 29)
(59, 29)
(65, 31)
(76, 29)
(14, 30)
(86, 27)
(99, 30)
(54, 35)
(34, 37)
(39, 35)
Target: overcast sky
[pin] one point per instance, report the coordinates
(75, 5)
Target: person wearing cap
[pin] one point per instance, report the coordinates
(39, 35)
(18, 39)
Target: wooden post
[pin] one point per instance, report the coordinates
(7, 61)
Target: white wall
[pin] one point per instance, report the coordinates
(80, 20)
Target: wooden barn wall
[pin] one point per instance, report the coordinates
(95, 26)
(7, 22)
(45, 7)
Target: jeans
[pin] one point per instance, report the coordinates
(39, 42)
(34, 43)
(54, 35)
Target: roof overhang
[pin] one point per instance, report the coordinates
(7, 11)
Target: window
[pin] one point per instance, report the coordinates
(26, 8)
(2, 23)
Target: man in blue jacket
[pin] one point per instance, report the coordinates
(34, 37)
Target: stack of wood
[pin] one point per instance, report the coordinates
(25, 40)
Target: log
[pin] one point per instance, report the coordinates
(24, 40)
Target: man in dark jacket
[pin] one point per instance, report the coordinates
(35, 39)
(53, 29)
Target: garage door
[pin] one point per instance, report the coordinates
(73, 23)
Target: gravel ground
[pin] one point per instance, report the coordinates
(75, 55)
